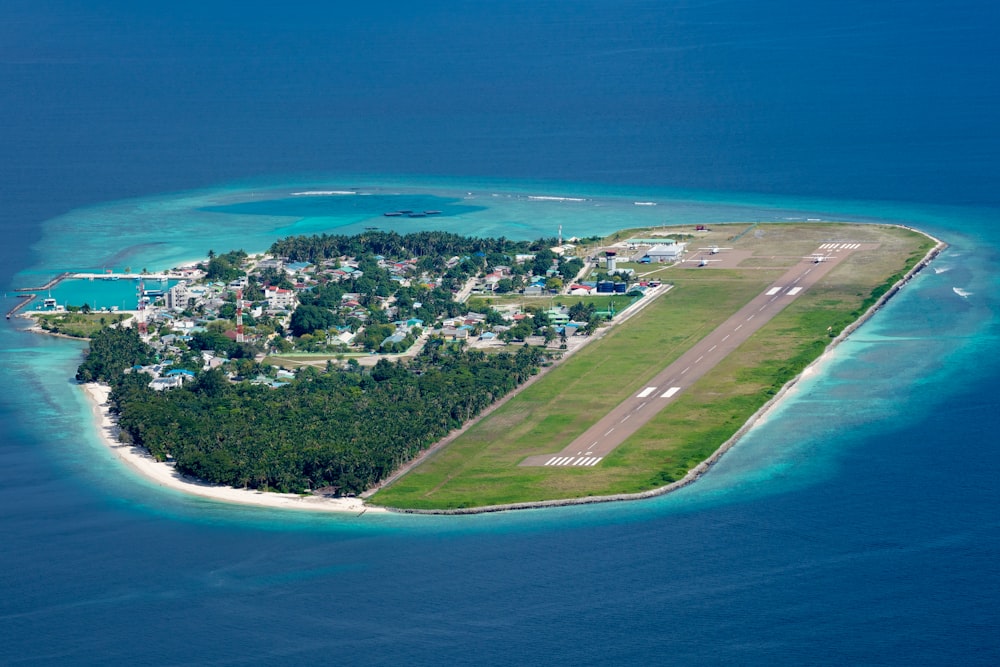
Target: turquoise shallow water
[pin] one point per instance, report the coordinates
(841, 518)
(857, 525)
(913, 347)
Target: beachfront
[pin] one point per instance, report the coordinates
(165, 475)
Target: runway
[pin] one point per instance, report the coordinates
(590, 448)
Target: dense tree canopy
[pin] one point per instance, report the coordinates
(347, 430)
(112, 350)
(307, 319)
(391, 244)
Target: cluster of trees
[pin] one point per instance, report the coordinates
(346, 430)
(224, 268)
(112, 350)
(392, 244)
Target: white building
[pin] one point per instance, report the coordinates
(278, 298)
(666, 253)
(177, 296)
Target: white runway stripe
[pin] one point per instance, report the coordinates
(794, 291)
(581, 461)
(670, 392)
(645, 392)
(773, 291)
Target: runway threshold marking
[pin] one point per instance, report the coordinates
(670, 392)
(773, 291)
(582, 461)
(794, 291)
(645, 392)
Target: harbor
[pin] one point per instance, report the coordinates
(28, 294)
(100, 291)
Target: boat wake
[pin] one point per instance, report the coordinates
(323, 193)
(961, 292)
(941, 269)
(549, 198)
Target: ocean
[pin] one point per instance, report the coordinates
(858, 524)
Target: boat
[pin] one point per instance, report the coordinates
(393, 214)
(432, 212)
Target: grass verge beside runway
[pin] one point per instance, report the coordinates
(480, 467)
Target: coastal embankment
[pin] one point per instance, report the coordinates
(165, 475)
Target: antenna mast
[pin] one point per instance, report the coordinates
(239, 315)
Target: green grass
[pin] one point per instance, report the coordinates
(480, 467)
(78, 325)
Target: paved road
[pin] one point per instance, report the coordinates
(624, 420)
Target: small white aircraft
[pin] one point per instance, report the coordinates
(702, 261)
(817, 257)
(714, 250)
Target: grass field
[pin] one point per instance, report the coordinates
(481, 466)
(78, 325)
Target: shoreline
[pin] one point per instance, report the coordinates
(166, 476)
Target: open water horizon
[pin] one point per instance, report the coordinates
(857, 524)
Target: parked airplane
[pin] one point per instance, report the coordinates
(817, 257)
(714, 250)
(702, 261)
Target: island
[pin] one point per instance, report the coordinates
(432, 372)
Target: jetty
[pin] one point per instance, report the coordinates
(29, 294)
(162, 277)
(47, 286)
(25, 299)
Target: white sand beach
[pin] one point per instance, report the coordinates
(165, 475)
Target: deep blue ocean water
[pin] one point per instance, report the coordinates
(858, 524)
